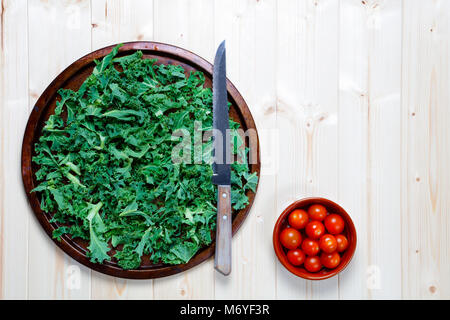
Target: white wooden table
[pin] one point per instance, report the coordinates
(351, 99)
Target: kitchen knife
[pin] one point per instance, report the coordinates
(221, 163)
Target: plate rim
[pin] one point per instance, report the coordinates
(41, 104)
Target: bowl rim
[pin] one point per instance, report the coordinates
(279, 252)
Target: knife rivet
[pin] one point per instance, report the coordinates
(224, 195)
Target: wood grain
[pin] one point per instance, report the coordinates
(112, 22)
(288, 122)
(249, 30)
(369, 143)
(14, 215)
(425, 155)
(222, 256)
(52, 27)
(377, 71)
(196, 35)
(72, 78)
(307, 118)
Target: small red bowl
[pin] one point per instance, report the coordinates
(349, 232)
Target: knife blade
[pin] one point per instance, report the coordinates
(221, 163)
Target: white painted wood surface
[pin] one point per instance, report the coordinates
(351, 101)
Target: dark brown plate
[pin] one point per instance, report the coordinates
(72, 78)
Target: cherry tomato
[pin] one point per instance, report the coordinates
(296, 257)
(290, 238)
(310, 247)
(298, 219)
(317, 212)
(334, 223)
(328, 243)
(342, 242)
(315, 229)
(330, 260)
(313, 264)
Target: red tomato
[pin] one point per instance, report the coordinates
(296, 257)
(334, 223)
(330, 260)
(298, 219)
(328, 243)
(310, 247)
(342, 242)
(290, 238)
(315, 229)
(312, 264)
(317, 212)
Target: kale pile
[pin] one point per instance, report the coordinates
(105, 163)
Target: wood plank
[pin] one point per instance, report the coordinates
(291, 131)
(306, 116)
(14, 210)
(111, 288)
(425, 113)
(260, 95)
(193, 31)
(369, 144)
(249, 28)
(115, 22)
(59, 33)
(356, 111)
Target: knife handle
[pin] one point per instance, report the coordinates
(222, 259)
